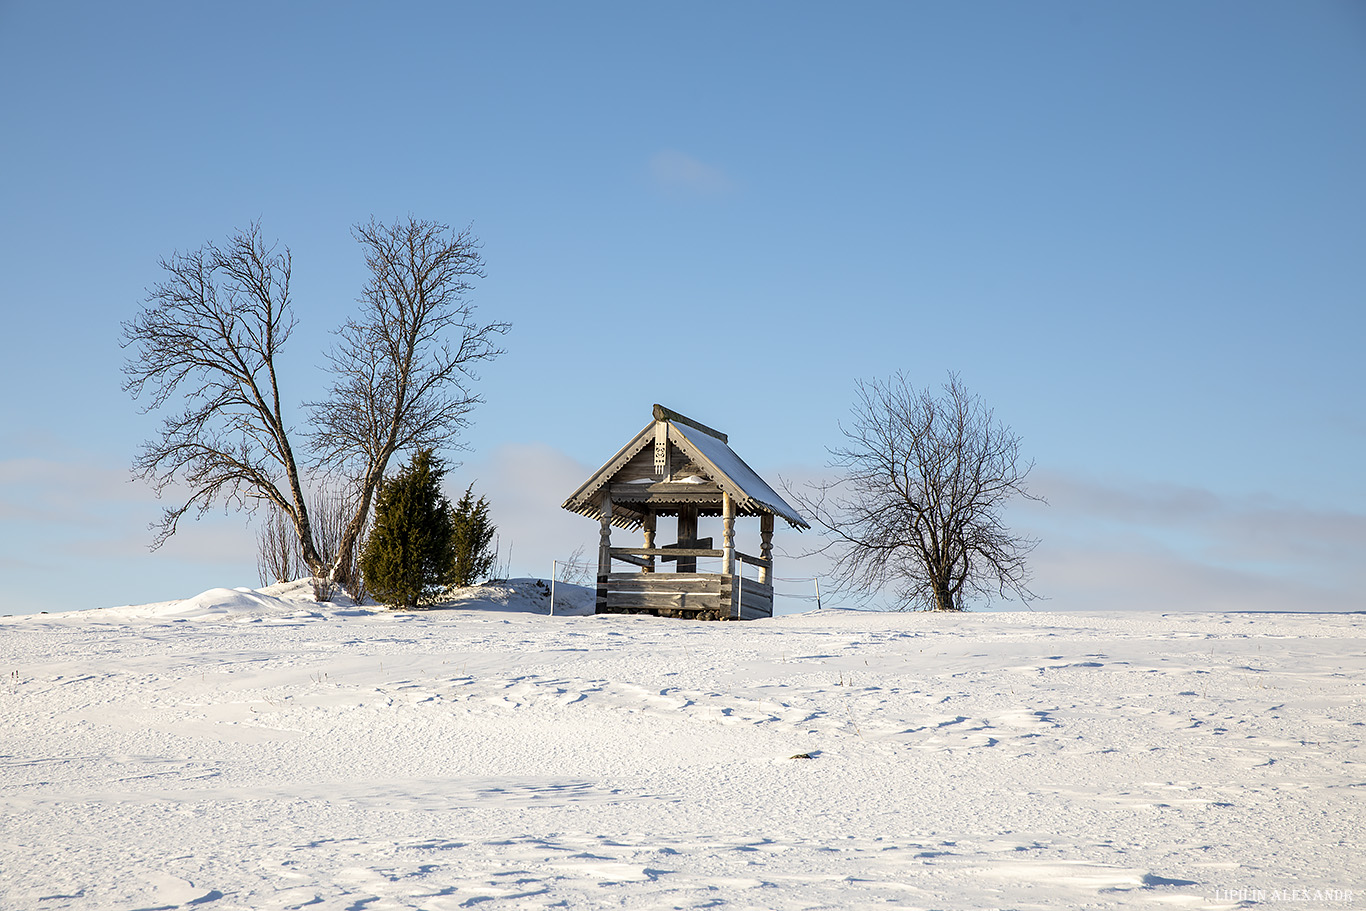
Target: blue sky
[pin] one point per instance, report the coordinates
(1137, 230)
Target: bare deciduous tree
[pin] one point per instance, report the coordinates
(279, 557)
(332, 511)
(400, 384)
(575, 570)
(212, 331)
(924, 482)
(277, 549)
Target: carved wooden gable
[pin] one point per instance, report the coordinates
(676, 462)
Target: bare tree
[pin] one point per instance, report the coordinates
(277, 549)
(924, 481)
(574, 571)
(332, 510)
(278, 554)
(212, 331)
(402, 369)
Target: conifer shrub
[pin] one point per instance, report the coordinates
(409, 560)
(474, 550)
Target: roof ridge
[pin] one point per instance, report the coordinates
(668, 414)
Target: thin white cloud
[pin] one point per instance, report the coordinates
(72, 492)
(525, 484)
(74, 533)
(1137, 545)
(1109, 574)
(678, 172)
(1162, 546)
(1262, 529)
(1105, 544)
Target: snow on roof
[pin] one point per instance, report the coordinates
(744, 482)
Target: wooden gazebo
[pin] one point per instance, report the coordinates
(678, 467)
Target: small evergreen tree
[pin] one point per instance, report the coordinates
(474, 550)
(410, 557)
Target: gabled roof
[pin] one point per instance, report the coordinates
(709, 452)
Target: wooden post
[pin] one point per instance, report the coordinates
(687, 537)
(766, 546)
(727, 533)
(732, 582)
(605, 536)
(604, 551)
(649, 566)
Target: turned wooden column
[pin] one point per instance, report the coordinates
(605, 537)
(604, 552)
(766, 547)
(727, 533)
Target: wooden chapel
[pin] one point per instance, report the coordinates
(678, 467)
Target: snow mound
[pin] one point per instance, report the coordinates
(231, 603)
(284, 602)
(523, 596)
(294, 602)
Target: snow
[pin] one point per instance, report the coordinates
(729, 463)
(255, 749)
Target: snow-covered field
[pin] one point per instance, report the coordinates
(259, 751)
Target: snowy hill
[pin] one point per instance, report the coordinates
(288, 601)
(255, 749)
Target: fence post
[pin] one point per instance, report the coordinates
(739, 580)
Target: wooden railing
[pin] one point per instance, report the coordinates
(618, 552)
(627, 553)
(754, 561)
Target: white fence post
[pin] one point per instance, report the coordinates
(740, 592)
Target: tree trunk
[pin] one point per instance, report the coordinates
(943, 596)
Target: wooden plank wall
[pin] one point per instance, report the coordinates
(682, 594)
(664, 591)
(756, 599)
